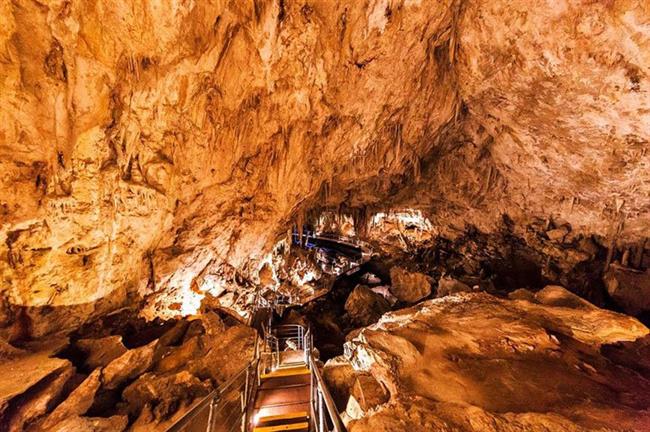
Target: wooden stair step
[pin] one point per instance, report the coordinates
(289, 417)
(289, 371)
(303, 426)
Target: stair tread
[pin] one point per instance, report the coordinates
(294, 415)
(287, 427)
(286, 372)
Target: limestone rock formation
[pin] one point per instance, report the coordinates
(364, 306)
(629, 288)
(150, 384)
(474, 362)
(32, 368)
(129, 365)
(77, 403)
(32, 406)
(166, 391)
(448, 285)
(100, 352)
(409, 287)
(162, 150)
(92, 424)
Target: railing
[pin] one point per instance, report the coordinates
(224, 409)
(286, 337)
(290, 336)
(324, 415)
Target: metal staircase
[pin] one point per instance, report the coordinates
(281, 389)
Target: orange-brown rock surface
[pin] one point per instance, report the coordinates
(151, 384)
(167, 146)
(473, 362)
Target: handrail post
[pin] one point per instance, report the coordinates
(210, 417)
(311, 398)
(321, 417)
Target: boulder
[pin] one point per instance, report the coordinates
(557, 234)
(555, 295)
(195, 328)
(129, 365)
(384, 291)
(522, 294)
(226, 354)
(629, 288)
(588, 246)
(77, 403)
(339, 376)
(8, 351)
(409, 287)
(175, 358)
(353, 411)
(368, 392)
(116, 423)
(364, 306)
(35, 403)
(213, 324)
(632, 354)
(100, 352)
(476, 362)
(448, 285)
(31, 369)
(164, 393)
(174, 335)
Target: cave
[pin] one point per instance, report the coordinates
(331, 215)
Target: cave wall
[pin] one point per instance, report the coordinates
(144, 146)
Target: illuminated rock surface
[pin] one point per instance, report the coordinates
(149, 384)
(473, 362)
(146, 148)
(154, 155)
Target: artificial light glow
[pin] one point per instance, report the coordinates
(190, 303)
(405, 217)
(308, 276)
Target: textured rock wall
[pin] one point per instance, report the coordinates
(144, 145)
(473, 362)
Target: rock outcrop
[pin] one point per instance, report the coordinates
(409, 287)
(365, 307)
(474, 362)
(448, 285)
(100, 352)
(151, 384)
(630, 288)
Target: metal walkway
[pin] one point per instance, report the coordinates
(281, 389)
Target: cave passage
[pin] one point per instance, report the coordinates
(335, 215)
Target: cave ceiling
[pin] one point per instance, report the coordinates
(144, 145)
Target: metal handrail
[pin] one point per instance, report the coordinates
(208, 401)
(320, 395)
(324, 414)
(214, 396)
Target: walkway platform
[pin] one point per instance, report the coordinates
(282, 402)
